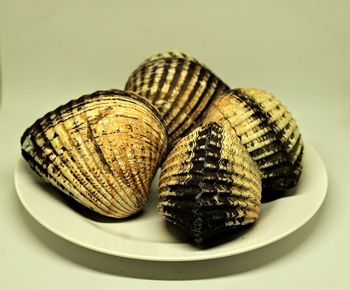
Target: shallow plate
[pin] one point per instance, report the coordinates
(147, 236)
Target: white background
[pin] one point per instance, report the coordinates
(53, 51)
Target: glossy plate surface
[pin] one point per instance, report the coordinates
(148, 237)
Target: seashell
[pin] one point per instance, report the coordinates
(180, 88)
(269, 132)
(101, 149)
(209, 184)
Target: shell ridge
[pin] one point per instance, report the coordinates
(74, 163)
(126, 172)
(186, 90)
(163, 73)
(197, 119)
(89, 159)
(130, 152)
(149, 73)
(193, 97)
(55, 172)
(185, 69)
(125, 204)
(264, 115)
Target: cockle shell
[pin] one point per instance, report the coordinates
(269, 132)
(180, 88)
(101, 149)
(209, 184)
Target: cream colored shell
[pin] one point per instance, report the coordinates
(101, 149)
(268, 131)
(179, 86)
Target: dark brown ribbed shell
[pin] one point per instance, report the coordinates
(180, 88)
(268, 131)
(209, 184)
(101, 149)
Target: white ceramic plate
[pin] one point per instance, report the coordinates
(148, 237)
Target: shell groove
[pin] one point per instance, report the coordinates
(101, 149)
(180, 88)
(209, 184)
(269, 132)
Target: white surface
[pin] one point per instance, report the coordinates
(148, 237)
(52, 51)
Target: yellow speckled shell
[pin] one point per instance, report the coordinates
(101, 149)
(180, 88)
(209, 184)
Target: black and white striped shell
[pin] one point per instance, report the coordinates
(180, 88)
(269, 132)
(101, 149)
(209, 184)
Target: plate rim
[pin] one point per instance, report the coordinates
(173, 258)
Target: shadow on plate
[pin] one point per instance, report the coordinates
(278, 195)
(182, 237)
(193, 270)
